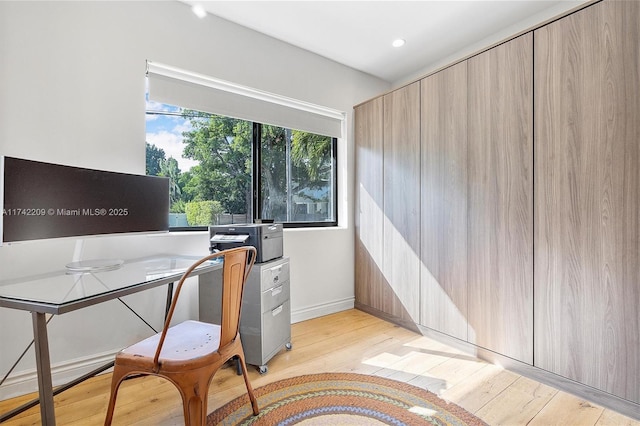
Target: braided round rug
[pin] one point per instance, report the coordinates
(342, 399)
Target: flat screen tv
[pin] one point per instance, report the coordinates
(42, 200)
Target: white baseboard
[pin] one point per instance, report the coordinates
(321, 310)
(25, 382)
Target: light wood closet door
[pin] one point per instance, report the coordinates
(587, 221)
(500, 240)
(443, 275)
(402, 202)
(369, 204)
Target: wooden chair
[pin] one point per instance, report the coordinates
(190, 353)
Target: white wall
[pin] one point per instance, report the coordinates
(72, 92)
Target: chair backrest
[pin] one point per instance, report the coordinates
(237, 264)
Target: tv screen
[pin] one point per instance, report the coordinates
(42, 200)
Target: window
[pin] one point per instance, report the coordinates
(297, 176)
(275, 159)
(215, 161)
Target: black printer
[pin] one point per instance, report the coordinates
(265, 237)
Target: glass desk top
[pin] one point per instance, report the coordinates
(63, 290)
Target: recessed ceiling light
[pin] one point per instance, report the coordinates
(398, 43)
(199, 11)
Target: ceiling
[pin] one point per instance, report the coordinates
(359, 33)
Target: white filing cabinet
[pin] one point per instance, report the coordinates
(265, 321)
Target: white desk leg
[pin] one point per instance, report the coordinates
(43, 363)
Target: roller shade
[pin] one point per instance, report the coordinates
(173, 86)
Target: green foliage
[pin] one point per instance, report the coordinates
(202, 213)
(312, 153)
(155, 155)
(222, 146)
(178, 207)
(169, 168)
(273, 171)
(311, 167)
(183, 181)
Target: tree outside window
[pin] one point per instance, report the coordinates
(296, 171)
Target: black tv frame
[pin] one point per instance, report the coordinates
(42, 200)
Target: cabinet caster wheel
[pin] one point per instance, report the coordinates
(288, 346)
(263, 369)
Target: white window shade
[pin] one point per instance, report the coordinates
(173, 86)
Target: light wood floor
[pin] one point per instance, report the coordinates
(348, 341)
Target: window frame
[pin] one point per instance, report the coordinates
(256, 182)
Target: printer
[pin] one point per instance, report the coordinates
(265, 237)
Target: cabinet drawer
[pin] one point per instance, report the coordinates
(275, 296)
(276, 328)
(275, 275)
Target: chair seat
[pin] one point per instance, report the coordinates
(190, 353)
(188, 340)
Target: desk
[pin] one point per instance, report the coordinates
(61, 292)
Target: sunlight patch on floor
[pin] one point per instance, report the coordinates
(422, 411)
(382, 360)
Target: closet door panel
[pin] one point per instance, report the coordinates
(587, 221)
(369, 282)
(500, 240)
(401, 229)
(443, 275)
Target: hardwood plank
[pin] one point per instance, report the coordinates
(611, 418)
(500, 240)
(525, 397)
(565, 409)
(453, 371)
(401, 228)
(373, 346)
(480, 388)
(443, 275)
(587, 240)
